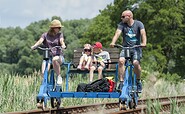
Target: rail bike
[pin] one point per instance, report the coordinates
(129, 93)
(49, 90)
(48, 84)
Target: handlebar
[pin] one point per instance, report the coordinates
(48, 49)
(46, 53)
(120, 46)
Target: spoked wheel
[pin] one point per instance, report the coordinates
(55, 102)
(122, 105)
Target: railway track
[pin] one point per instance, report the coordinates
(108, 108)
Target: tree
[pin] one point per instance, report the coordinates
(164, 24)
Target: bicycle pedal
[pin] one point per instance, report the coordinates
(133, 91)
(139, 91)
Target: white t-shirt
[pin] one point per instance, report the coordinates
(103, 56)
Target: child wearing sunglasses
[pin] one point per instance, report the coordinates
(86, 58)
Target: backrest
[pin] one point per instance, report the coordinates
(114, 55)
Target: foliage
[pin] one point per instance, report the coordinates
(163, 20)
(100, 30)
(12, 98)
(174, 78)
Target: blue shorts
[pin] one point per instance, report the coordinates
(136, 54)
(50, 59)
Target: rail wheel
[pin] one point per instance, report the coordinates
(131, 104)
(122, 105)
(55, 102)
(58, 102)
(134, 106)
(41, 105)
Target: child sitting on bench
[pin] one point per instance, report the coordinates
(101, 59)
(86, 58)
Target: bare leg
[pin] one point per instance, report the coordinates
(137, 68)
(92, 68)
(121, 68)
(88, 62)
(56, 64)
(43, 67)
(81, 62)
(100, 69)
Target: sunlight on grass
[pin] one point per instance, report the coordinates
(19, 93)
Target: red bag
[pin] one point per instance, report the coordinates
(111, 85)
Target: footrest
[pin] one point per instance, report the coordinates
(85, 94)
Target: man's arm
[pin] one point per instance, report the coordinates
(115, 38)
(143, 37)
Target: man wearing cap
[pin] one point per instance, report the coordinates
(133, 33)
(51, 39)
(100, 58)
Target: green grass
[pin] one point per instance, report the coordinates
(18, 93)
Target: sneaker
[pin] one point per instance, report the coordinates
(139, 85)
(59, 80)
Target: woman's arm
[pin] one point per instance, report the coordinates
(37, 43)
(62, 43)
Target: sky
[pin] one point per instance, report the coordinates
(21, 13)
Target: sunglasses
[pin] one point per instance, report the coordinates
(56, 28)
(87, 50)
(122, 16)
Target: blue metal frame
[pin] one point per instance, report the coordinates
(47, 86)
(129, 90)
(85, 94)
(68, 65)
(49, 90)
(67, 94)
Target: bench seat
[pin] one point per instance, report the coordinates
(71, 66)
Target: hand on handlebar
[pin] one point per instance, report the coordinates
(121, 46)
(112, 45)
(63, 46)
(33, 47)
(143, 45)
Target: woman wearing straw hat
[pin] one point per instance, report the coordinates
(51, 39)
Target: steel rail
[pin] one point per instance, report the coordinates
(99, 106)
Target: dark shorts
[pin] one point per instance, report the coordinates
(96, 65)
(136, 54)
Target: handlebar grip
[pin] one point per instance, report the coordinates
(118, 46)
